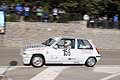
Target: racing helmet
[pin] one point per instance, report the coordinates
(67, 42)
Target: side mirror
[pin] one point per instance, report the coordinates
(55, 47)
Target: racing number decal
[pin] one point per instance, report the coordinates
(67, 52)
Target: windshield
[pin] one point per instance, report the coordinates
(49, 42)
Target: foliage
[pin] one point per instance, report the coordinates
(100, 7)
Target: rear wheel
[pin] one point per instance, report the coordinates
(91, 62)
(37, 61)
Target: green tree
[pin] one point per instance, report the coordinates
(91, 7)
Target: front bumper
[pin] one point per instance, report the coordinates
(26, 59)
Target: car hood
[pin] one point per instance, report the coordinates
(32, 47)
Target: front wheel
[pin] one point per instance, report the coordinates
(37, 61)
(91, 62)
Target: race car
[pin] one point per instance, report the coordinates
(61, 50)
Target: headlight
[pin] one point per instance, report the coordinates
(24, 53)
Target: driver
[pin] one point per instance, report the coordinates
(67, 44)
(67, 47)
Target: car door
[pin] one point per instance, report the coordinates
(61, 54)
(54, 55)
(66, 47)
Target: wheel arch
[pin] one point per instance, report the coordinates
(87, 60)
(38, 55)
(91, 57)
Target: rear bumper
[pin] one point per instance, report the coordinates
(98, 58)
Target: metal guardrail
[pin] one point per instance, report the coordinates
(105, 24)
(13, 17)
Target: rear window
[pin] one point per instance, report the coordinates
(83, 44)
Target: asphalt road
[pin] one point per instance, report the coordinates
(109, 57)
(108, 68)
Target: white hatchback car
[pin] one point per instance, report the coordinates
(61, 50)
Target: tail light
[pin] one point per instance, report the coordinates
(98, 51)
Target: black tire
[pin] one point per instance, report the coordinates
(90, 62)
(37, 61)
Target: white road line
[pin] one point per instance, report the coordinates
(111, 69)
(16, 66)
(2, 70)
(19, 66)
(107, 65)
(111, 76)
(50, 73)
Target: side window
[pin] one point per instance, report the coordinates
(66, 43)
(83, 44)
(73, 43)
